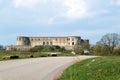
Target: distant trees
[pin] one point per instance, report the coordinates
(80, 47)
(85, 45)
(1, 47)
(108, 44)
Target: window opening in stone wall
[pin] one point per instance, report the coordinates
(23, 39)
(68, 39)
(31, 39)
(43, 43)
(72, 39)
(19, 39)
(50, 43)
(72, 43)
(68, 43)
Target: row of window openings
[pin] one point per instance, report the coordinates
(72, 43)
(56, 39)
(47, 43)
(50, 43)
(45, 39)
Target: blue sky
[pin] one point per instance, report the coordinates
(90, 19)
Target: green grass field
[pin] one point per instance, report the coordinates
(27, 54)
(102, 68)
(21, 54)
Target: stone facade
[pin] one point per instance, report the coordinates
(66, 42)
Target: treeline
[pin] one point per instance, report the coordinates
(109, 44)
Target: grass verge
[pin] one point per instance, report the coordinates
(102, 68)
(21, 54)
(27, 54)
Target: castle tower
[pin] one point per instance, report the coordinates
(23, 41)
(73, 40)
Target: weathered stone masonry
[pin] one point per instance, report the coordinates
(66, 42)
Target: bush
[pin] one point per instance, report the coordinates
(116, 51)
(67, 53)
(54, 54)
(14, 57)
(43, 55)
(31, 56)
(47, 48)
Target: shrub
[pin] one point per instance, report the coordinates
(43, 55)
(14, 57)
(31, 56)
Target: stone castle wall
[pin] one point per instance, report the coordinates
(67, 42)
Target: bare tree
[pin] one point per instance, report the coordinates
(110, 41)
(78, 49)
(85, 45)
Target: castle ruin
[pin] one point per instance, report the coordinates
(66, 42)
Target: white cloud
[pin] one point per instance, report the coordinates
(73, 9)
(51, 21)
(58, 11)
(98, 12)
(115, 2)
(27, 3)
(76, 8)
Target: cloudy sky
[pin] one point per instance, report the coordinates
(90, 19)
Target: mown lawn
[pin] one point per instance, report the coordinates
(102, 68)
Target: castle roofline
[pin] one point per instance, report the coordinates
(46, 37)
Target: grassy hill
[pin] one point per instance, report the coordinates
(102, 68)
